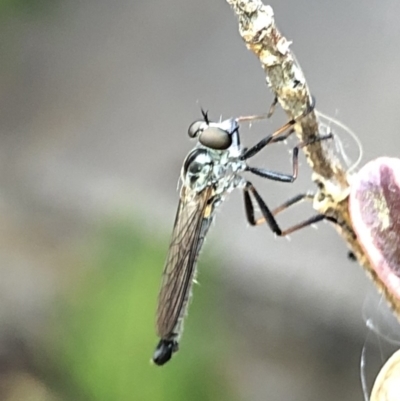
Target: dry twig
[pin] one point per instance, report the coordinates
(286, 80)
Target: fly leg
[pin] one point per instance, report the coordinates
(276, 176)
(276, 136)
(268, 215)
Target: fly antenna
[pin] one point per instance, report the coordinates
(205, 115)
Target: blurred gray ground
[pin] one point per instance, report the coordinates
(95, 101)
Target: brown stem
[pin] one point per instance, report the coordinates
(287, 82)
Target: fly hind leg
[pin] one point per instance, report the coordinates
(268, 216)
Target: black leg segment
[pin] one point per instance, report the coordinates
(282, 177)
(272, 107)
(275, 137)
(268, 216)
(276, 176)
(267, 140)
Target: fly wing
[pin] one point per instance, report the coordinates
(192, 221)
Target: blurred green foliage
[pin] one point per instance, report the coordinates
(25, 6)
(105, 337)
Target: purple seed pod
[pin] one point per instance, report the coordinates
(375, 214)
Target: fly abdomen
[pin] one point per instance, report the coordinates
(164, 351)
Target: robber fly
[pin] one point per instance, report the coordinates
(211, 171)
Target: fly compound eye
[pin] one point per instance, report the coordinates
(195, 128)
(215, 138)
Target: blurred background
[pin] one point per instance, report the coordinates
(95, 101)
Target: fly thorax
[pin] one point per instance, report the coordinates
(197, 169)
(227, 172)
